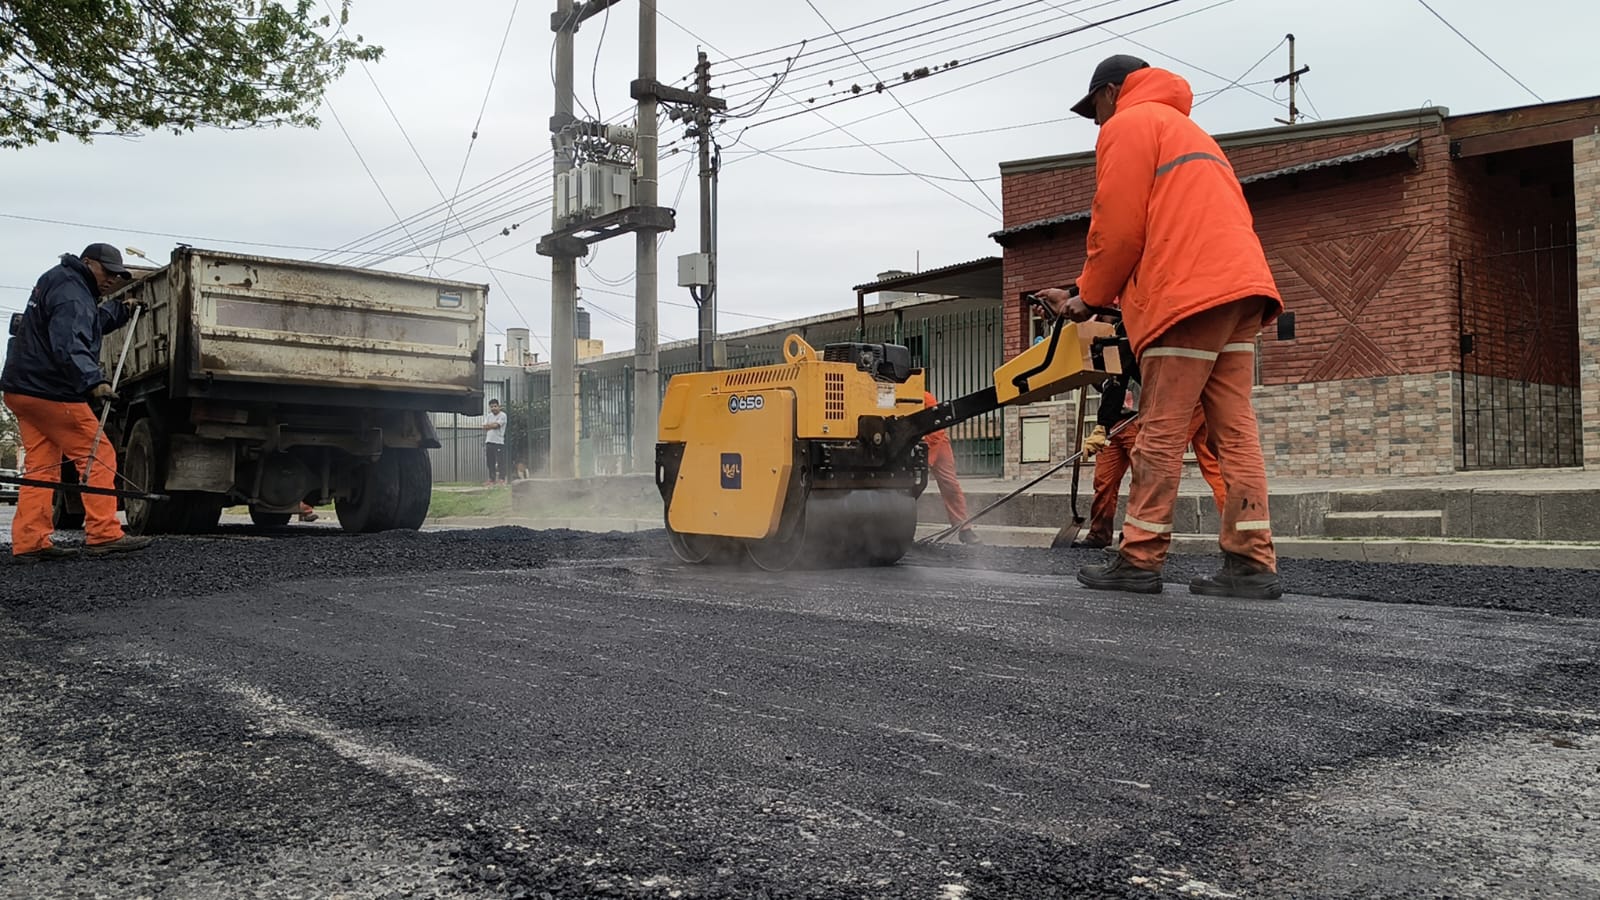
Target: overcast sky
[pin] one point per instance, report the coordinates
(793, 239)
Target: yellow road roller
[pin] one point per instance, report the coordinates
(818, 461)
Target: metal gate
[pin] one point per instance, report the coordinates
(1518, 381)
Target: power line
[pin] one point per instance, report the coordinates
(913, 116)
(957, 134)
(980, 59)
(1480, 50)
(361, 159)
(594, 73)
(877, 21)
(950, 50)
(1039, 62)
(493, 72)
(433, 181)
(1312, 103)
(833, 171)
(845, 45)
(941, 188)
(1248, 88)
(1246, 73)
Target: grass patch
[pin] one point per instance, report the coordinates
(495, 501)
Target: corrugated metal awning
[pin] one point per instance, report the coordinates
(1407, 146)
(974, 278)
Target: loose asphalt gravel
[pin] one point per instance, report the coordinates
(514, 713)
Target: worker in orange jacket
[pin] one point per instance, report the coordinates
(1113, 455)
(1170, 234)
(942, 466)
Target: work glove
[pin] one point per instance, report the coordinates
(103, 393)
(1096, 441)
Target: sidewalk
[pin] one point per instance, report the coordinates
(1552, 505)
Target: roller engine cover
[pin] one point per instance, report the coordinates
(885, 362)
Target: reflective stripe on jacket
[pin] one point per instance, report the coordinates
(1170, 231)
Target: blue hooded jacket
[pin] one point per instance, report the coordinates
(54, 353)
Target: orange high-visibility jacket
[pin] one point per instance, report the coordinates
(1170, 231)
(938, 438)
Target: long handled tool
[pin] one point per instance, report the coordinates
(1069, 531)
(116, 378)
(941, 535)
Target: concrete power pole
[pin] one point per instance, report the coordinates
(563, 270)
(708, 212)
(646, 339)
(1294, 81)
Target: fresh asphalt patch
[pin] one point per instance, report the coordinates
(513, 713)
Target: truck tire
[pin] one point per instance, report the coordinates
(198, 512)
(66, 510)
(140, 467)
(264, 519)
(415, 472)
(391, 492)
(374, 502)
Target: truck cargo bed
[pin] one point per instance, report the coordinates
(227, 325)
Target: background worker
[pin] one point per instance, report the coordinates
(1170, 234)
(494, 443)
(52, 371)
(942, 466)
(1113, 454)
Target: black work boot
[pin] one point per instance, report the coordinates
(46, 554)
(1239, 578)
(1120, 575)
(1092, 542)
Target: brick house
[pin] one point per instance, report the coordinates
(1443, 272)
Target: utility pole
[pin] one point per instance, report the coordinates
(563, 268)
(605, 186)
(1294, 80)
(698, 271)
(646, 334)
(708, 211)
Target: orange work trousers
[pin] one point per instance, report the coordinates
(942, 466)
(1111, 463)
(51, 430)
(1208, 360)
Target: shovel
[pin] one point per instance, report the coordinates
(1069, 531)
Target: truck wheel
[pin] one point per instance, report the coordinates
(140, 466)
(198, 512)
(374, 502)
(266, 519)
(66, 511)
(415, 472)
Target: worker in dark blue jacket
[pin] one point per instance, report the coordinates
(52, 371)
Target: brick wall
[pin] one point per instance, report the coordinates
(1367, 256)
(1392, 425)
(1359, 253)
(1586, 191)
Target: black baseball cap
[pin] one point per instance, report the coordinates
(1111, 70)
(109, 257)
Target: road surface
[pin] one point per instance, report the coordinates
(508, 713)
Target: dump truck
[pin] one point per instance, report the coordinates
(272, 382)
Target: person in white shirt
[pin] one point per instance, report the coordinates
(494, 443)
